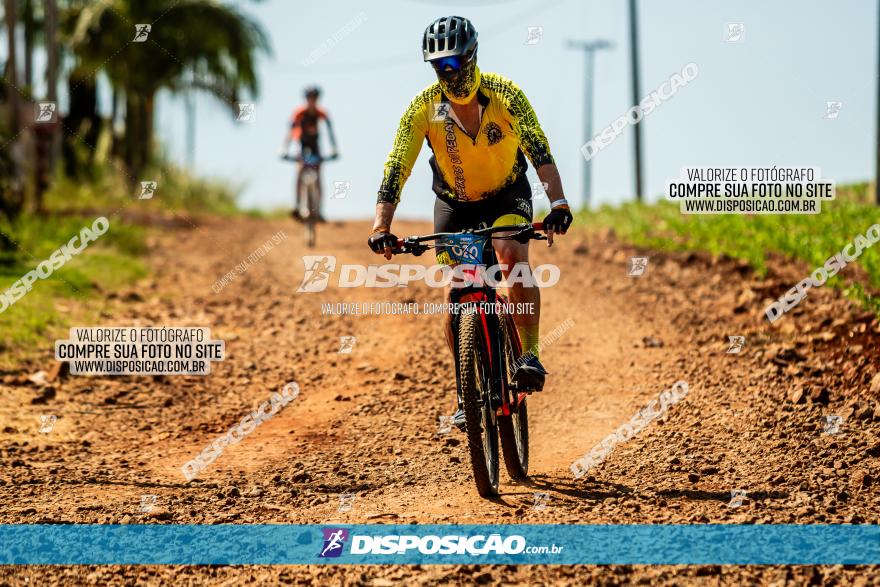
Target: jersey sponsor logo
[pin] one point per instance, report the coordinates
(455, 159)
(493, 133)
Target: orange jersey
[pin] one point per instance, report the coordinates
(304, 124)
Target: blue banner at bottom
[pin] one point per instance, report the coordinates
(271, 544)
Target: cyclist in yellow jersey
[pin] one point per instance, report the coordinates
(480, 128)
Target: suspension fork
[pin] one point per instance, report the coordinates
(455, 321)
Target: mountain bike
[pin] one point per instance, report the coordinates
(487, 349)
(308, 199)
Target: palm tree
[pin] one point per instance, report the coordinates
(9, 14)
(192, 44)
(11, 185)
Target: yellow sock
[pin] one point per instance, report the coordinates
(530, 337)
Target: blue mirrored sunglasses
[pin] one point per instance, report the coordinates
(453, 62)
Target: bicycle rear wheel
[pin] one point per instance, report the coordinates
(513, 429)
(480, 417)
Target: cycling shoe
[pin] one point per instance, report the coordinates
(530, 375)
(458, 419)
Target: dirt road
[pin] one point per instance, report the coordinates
(366, 422)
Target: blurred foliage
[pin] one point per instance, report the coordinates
(177, 192)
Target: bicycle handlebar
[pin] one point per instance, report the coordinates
(526, 232)
(316, 158)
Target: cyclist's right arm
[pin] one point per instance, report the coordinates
(411, 131)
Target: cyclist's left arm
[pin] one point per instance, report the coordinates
(535, 145)
(330, 134)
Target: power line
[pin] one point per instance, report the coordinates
(402, 59)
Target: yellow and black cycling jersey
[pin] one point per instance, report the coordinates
(467, 168)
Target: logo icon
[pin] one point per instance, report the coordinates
(445, 425)
(318, 270)
(832, 108)
(493, 133)
(833, 423)
(334, 541)
(441, 111)
(247, 112)
(45, 112)
(47, 422)
(346, 502)
(736, 498)
(141, 32)
(346, 344)
(341, 189)
(147, 503)
(637, 266)
(736, 344)
(148, 188)
(541, 498)
(534, 35)
(735, 32)
(539, 190)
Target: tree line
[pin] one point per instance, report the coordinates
(127, 49)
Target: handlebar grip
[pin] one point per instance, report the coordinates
(538, 225)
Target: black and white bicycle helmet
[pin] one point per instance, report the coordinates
(448, 36)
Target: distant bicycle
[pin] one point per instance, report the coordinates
(307, 202)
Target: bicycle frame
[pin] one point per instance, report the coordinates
(481, 296)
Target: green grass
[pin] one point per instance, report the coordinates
(177, 191)
(810, 238)
(76, 294)
(29, 326)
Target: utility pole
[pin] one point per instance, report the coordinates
(637, 127)
(589, 48)
(190, 107)
(12, 69)
(877, 141)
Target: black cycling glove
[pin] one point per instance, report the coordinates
(380, 239)
(558, 220)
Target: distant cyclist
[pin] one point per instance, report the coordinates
(304, 131)
(480, 128)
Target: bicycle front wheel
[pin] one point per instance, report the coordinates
(513, 429)
(480, 418)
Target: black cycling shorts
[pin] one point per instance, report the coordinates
(514, 200)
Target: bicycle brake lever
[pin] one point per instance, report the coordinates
(526, 235)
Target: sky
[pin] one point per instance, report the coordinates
(760, 101)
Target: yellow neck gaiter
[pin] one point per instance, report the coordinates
(463, 87)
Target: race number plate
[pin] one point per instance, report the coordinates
(465, 249)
